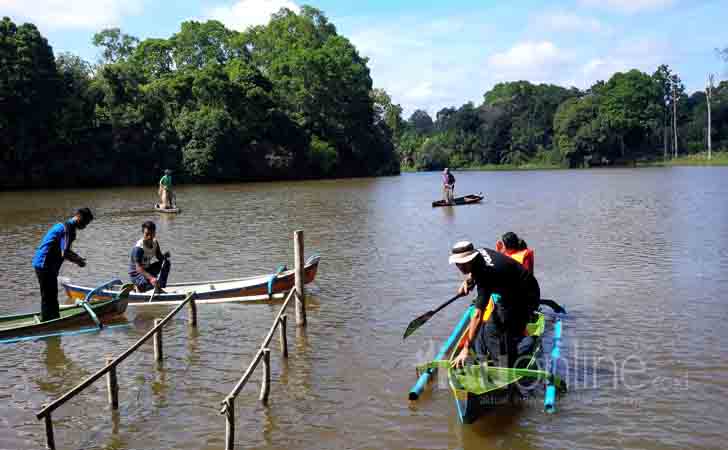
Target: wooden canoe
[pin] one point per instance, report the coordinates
(174, 210)
(22, 325)
(465, 200)
(268, 284)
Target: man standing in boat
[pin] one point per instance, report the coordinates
(516, 293)
(166, 196)
(54, 248)
(143, 273)
(448, 186)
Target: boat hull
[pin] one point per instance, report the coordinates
(466, 200)
(500, 390)
(209, 290)
(22, 325)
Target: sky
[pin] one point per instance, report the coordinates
(432, 55)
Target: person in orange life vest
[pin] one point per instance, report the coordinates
(491, 272)
(511, 245)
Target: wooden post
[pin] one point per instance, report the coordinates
(111, 384)
(158, 341)
(230, 424)
(50, 441)
(193, 314)
(283, 338)
(265, 386)
(300, 294)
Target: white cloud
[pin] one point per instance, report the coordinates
(570, 22)
(60, 14)
(629, 6)
(539, 62)
(246, 13)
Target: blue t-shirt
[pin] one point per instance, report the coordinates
(56, 242)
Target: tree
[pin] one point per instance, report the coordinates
(117, 46)
(421, 122)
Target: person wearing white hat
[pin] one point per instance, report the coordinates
(513, 287)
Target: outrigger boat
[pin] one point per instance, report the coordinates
(480, 386)
(465, 200)
(15, 327)
(263, 285)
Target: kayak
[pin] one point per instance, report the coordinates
(465, 200)
(481, 386)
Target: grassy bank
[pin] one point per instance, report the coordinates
(497, 167)
(697, 159)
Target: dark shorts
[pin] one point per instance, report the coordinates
(155, 269)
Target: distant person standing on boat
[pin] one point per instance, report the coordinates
(54, 248)
(515, 291)
(166, 195)
(511, 245)
(448, 185)
(143, 273)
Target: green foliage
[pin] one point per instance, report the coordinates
(116, 45)
(323, 156)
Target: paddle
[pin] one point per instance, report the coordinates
(156, 287)
(558, 309)
(418, 322)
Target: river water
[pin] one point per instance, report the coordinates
(638, 257)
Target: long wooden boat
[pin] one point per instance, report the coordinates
(268, 284)
(465, 200)
(21, 325)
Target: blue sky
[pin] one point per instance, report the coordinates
(431, 55)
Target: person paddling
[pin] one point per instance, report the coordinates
(54, 248)
(448, 186)
(143, 273)
(517, 296)
(166, 196)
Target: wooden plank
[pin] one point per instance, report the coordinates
(88, 381)
(300, 294)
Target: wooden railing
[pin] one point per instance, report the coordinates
(110, 368)
(263, 353)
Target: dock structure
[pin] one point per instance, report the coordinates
(296, 294)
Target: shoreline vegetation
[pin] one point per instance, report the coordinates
(294, 99)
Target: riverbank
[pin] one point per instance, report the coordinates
(697, 159)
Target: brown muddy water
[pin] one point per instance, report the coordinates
(638, 257)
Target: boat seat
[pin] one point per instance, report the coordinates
(212, 287)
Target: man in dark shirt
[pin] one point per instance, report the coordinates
(143, 273)
(54, 248)
(517, 294)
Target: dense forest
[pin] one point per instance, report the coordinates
(631, 117)
(294, 99)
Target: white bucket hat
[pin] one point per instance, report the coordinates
(463, 252)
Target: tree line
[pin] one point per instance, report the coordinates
(291, 99)
(632, 116)
(294, 99)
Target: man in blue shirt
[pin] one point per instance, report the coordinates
(54, 248)
(143, 273)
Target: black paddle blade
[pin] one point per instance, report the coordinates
(418, 322)
(558, 309)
